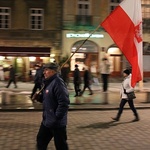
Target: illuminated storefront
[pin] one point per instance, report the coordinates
(90, 54)
(23, 59)
(87, 54)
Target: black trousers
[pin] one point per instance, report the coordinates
(122, 104)
(45, 135)
(10, 81)
(77, 88)
(105, 81)
(35, 88)
(87, 86)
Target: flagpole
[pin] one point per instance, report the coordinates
(79, 47)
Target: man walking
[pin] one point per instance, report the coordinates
(12, 77)
(105, 71)
(77, 81)
(37, 80)
(55, 108)
(87, 80)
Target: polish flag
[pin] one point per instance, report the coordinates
(124, 25)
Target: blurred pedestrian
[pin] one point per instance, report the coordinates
(12, 76)
(65, 73)
(87, 80)
(77, 81)
(105, 71)
(30, 75)
(55, 109)
(1, 73)
(126, 88)
(37, 79)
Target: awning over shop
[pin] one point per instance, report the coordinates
(25, 51)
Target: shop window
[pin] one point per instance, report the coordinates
(78, 58)
(87, 55)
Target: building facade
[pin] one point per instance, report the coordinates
(83, 17)
(30, 33)
(39, 31)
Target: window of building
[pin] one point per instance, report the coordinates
(114, 3)
(146, 14)
(145, 8)
(5, 16)
(83, 13)
(83, 7)
(36, 19)
(145, 2)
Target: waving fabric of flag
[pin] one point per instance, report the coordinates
(124, 25)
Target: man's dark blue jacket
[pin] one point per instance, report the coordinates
(55, 102)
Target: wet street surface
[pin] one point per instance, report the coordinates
(99, 100)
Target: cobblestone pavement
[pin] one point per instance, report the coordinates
(87, 130)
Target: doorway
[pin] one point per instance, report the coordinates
(116, 59)
(87, 55)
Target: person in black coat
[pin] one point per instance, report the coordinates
(55, 109)
(77, 81)
(65, 73)
(12, 77)
(37, 79)
(87, 81)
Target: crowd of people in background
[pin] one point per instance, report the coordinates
(9, 74)
(36, 74)
(79, 76)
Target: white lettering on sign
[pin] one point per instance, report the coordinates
(84, 35)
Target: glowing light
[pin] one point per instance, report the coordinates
(9, 57)
(52, 60)
(19, 60)
(52, 55)
(84, 35)
(2, 57)
(32, 58)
